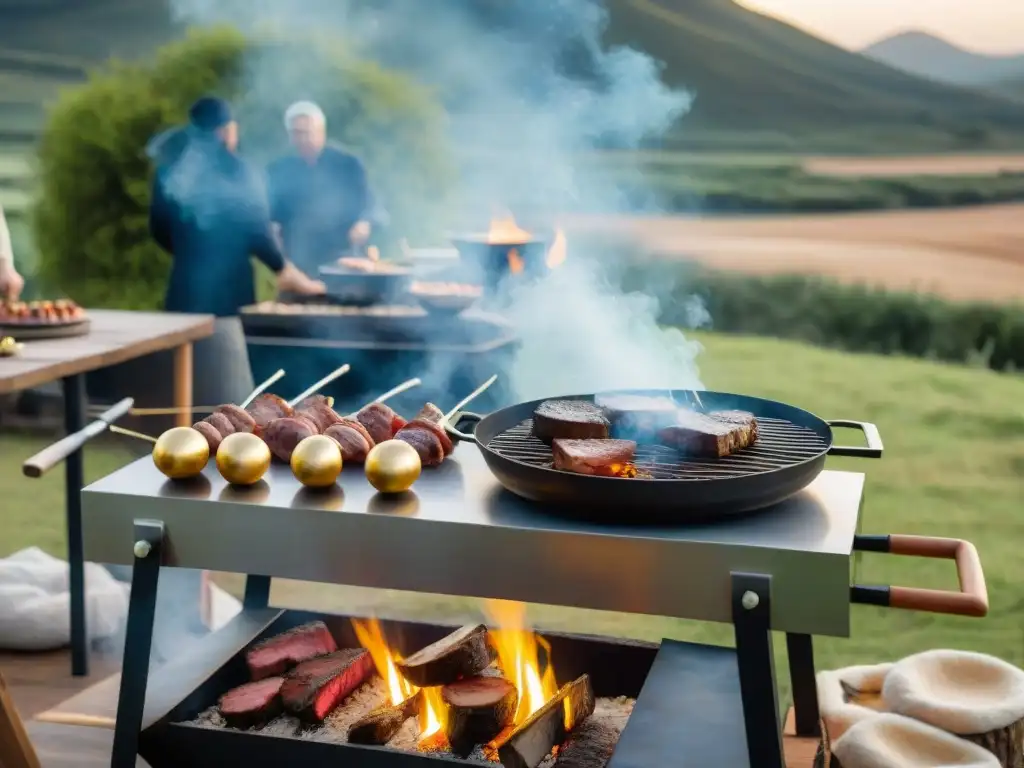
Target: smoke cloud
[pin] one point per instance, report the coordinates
(531, 91)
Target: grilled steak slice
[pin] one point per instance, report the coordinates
(572, 419)
(315, 687)
(282, 435)
(354, 446)
(252, 704)
(265, 408)
(380, 421)
(712, 435)
(425, 441)
(638, 417)
(276, 655)
(593, 457)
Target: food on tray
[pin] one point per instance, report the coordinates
(243, 458)
(283, 434)
(316, 462)
(713, 435)
(575, 419)
(426, 434)
(40, 312)
(380, 421)
(353, 440)
(253, 704)
(393, 466)
(444, 290)
(608, 458)
(464, 653)
(478, 709)
(280, 653)
(315, 687)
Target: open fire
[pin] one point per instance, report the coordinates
(504, 231)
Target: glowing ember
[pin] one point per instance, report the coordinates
(371, 637)
(519, 657)
(558, 250)
(515, 262)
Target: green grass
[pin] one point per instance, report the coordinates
(954, 457)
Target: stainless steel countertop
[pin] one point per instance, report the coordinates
(458, 532)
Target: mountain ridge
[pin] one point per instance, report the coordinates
(928, 55)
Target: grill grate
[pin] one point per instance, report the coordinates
(779, 444)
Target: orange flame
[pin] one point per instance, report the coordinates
(515, 262)
(558, 251)
(371, 637)
(505, 231)
(519, 657)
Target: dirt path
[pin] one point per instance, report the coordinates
(970, 253)
(938, 165)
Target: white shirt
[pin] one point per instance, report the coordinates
(6, 251)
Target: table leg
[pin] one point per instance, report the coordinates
(74, 479)
(183, 384)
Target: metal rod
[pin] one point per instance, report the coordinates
(471, 397)
(74, 480)
(257, 591)
(131, 433)
(138, 643)
(337, 373)
(800, 649)
(262, 387)
(751, 611)
(405, 385)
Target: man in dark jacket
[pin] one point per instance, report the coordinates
(319, 196)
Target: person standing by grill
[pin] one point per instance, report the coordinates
(209, 212)
(319, 196)
(11, 282)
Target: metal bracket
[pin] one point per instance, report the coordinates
(751, 615)
(74, 481)
(257, 592)
(800, 649)
(147, 549)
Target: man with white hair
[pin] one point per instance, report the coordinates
(319, 196)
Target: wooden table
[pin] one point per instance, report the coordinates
(114, 337)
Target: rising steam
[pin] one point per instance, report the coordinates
(530, 90)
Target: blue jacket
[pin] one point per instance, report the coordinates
(209, 211)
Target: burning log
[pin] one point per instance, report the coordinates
(315, 687)
(526, 745)
(381, 725)
(464, 653)
(478, 709)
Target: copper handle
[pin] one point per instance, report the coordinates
(971, 600)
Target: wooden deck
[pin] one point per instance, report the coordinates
(42, 687)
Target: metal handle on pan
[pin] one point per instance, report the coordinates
(53, 455)
(873, 450)
(463, 416)
(971, 600)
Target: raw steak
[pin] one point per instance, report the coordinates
(315, 687)
(576, 419)
(593, 457)
(278, 654)
(252, 704)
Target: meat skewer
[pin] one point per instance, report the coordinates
(426, 432)
(350, 434)
(270, 381)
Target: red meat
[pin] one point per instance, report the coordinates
(314, 688)
(276, 655)
(252, 704)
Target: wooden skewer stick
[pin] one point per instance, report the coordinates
(209, 408)
(131, 433)
(335, 374)
(390, 393)
(470, 397)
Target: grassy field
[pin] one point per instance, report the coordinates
(954, 458)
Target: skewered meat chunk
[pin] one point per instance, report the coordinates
(380, 421)
(354, 445)
(318, 410)
(221, 423)
(358, 427)
(241, 420)
(593, 457)
(431, 418)
(712, 435)
(426, 443)
(210, 432)
(570, 419)
(267, 407)
(282, 435)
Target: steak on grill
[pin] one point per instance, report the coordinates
(315, 687)
(593, 457)
(278, 654)
(712, 435)
(570, 419)
(252, 704)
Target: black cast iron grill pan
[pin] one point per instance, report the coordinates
(789, 454)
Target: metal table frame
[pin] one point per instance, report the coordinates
(757, 598)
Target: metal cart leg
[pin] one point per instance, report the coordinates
(257, 592)
(138, 642)
(800, 649)
(751, 612)
(74, 420)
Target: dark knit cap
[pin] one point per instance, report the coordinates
(209, 114)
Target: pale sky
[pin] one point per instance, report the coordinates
(989, 26)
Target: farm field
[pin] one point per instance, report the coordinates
(961, 253)
(954, 455)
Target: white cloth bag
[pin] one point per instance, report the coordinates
(35, 602)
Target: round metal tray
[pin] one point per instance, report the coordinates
(35, 331)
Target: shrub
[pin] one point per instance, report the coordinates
(90, 217)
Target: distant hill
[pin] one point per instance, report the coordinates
(925, 55)
(750, 73)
